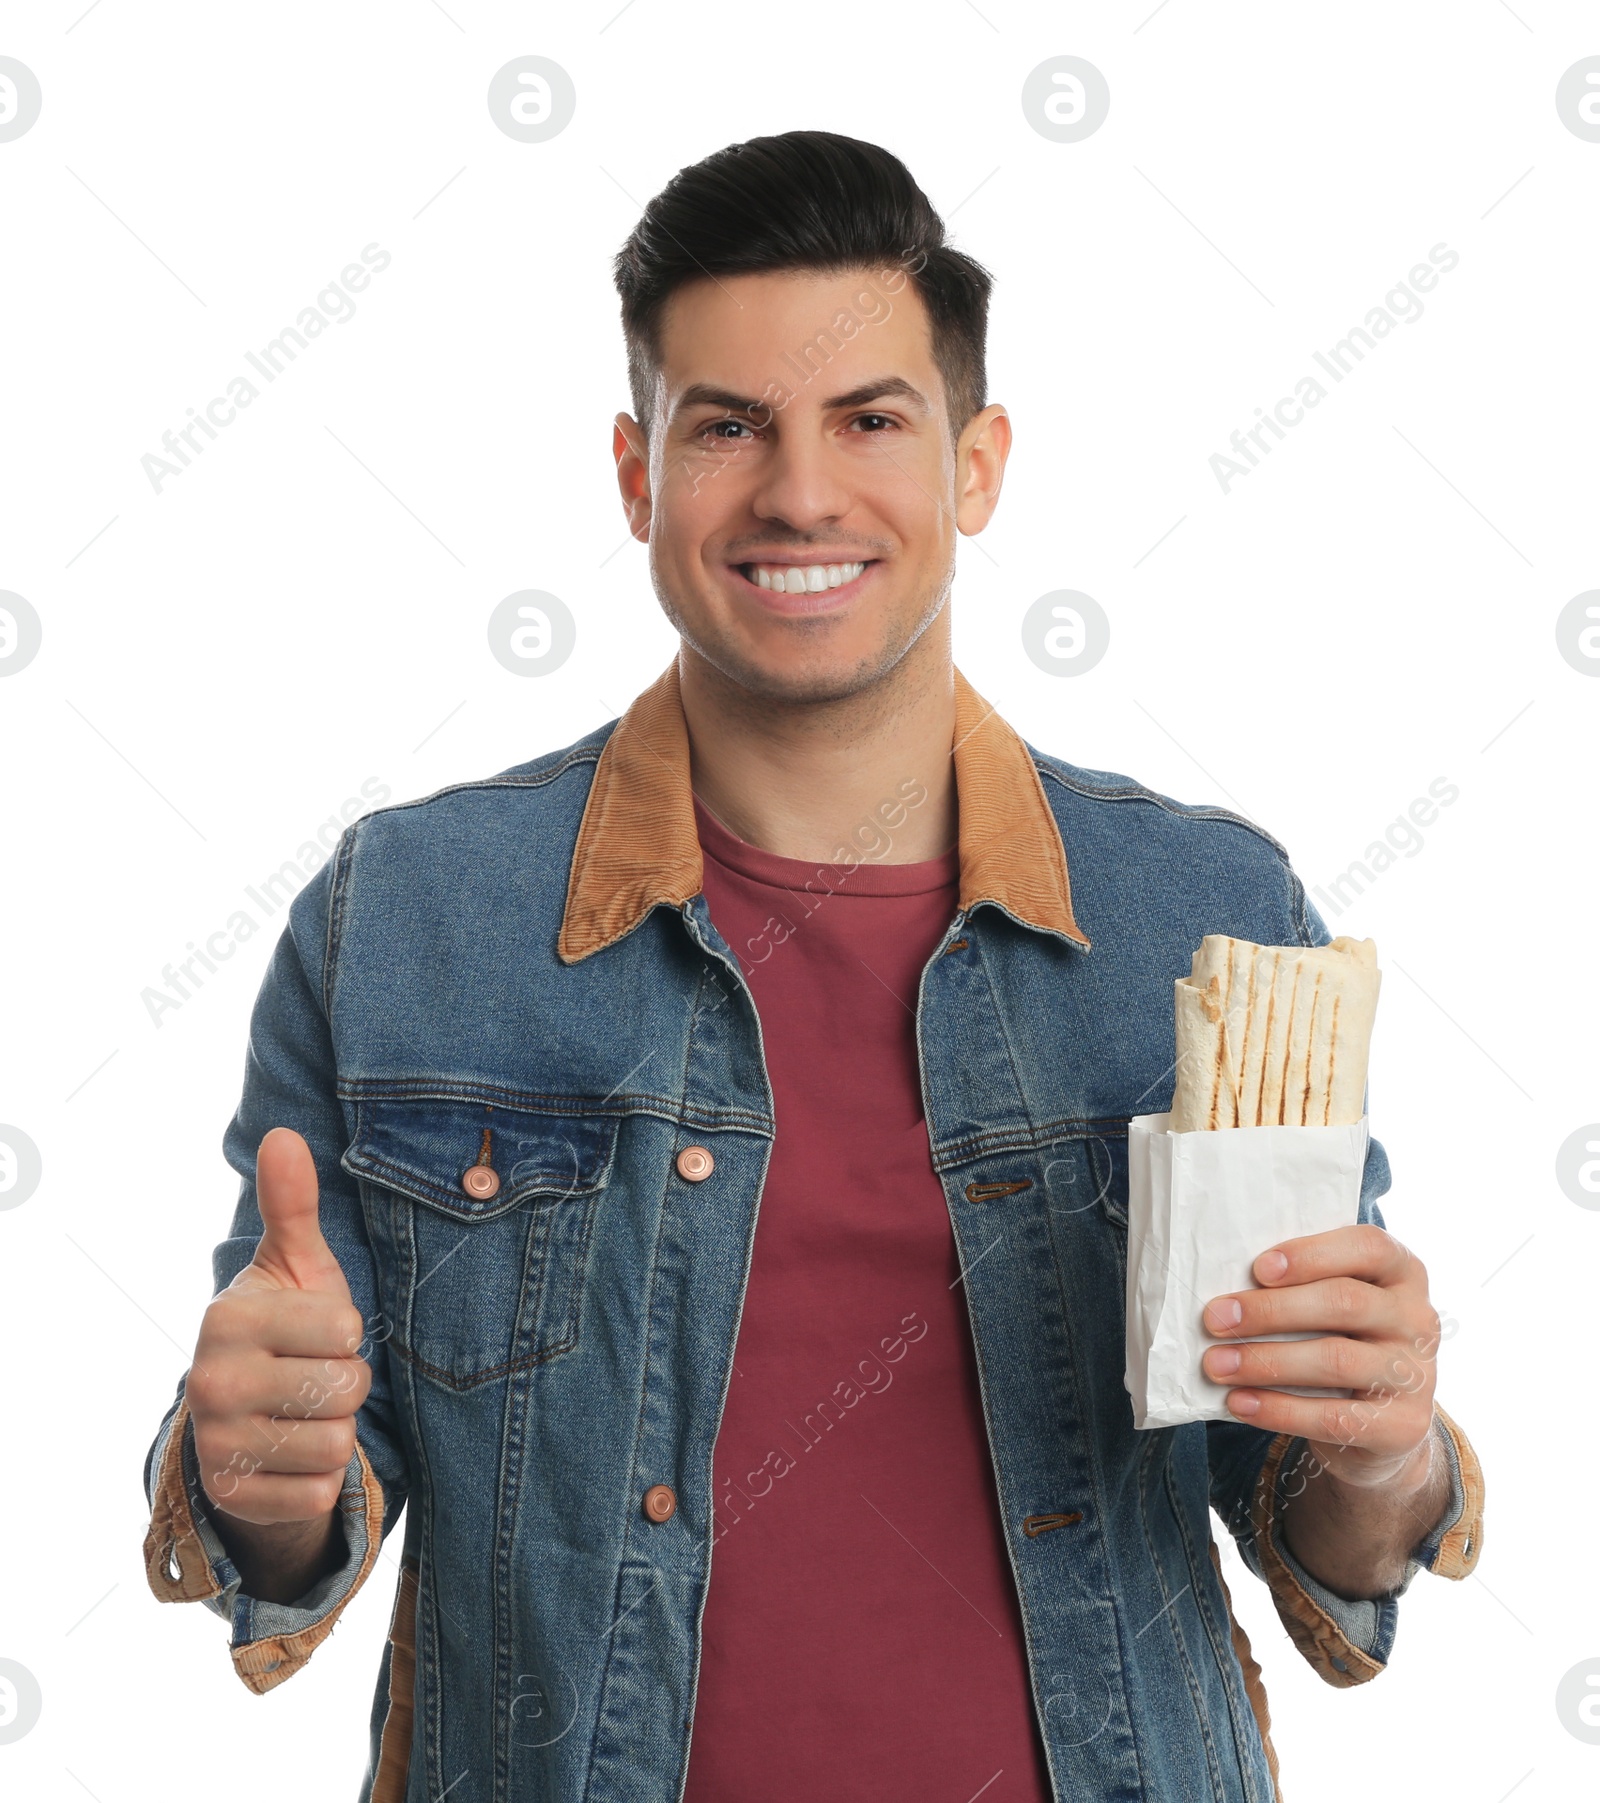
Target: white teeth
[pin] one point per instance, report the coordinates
(803, 579)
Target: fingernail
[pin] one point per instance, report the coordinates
(1226, 1313)
(1244, 1402)
(1223, 1363)
(1271, 1266)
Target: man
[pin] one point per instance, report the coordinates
(689, 1170)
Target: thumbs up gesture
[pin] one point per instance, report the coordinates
(277, 1380)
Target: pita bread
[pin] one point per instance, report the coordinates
(1274, 1035)
(1205, 1056)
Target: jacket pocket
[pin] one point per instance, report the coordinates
(1088, 1176)
(479, 1286)
(1109, 1162)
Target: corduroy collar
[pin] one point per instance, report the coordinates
(637, 845)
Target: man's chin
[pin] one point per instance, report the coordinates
(808, 677)
(808, 667)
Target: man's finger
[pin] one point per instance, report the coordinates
(1332, 1363)
(1383, 1426)
(291, 1247)
(1337, 1305)
(303, 1448)
(288, 1323)
(271, 1443)
(269, 1497)
(297, 1389)
(1364, 1251)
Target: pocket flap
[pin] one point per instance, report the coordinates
(1089, 1172)
(421, 1145)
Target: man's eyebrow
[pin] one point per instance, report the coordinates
(878, 388)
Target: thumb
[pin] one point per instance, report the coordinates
(292, 1249)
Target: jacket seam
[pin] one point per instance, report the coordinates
(581, 753)
(446, 1200)
(626, 1556)
(1191, 1677)
(1297, 905)
(1029, 1639)
(512, 1464)
(424, 1688)
(1096, 1486)
(949, 1153)
(624, 1565)
(333, 936)
(1135, 791)
(1005, 1039)
(1255, 1689)
(344, 856)
(475, 1380)
(1223, 1654)
(678, 1111)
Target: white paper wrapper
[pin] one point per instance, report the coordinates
(1202, 1208)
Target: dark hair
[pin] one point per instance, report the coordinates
(801, 200)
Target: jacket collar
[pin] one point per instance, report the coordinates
(637, 844)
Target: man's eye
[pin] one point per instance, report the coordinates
(715, 427)
(884, 417)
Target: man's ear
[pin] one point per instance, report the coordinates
(632, 452)
(981, 454)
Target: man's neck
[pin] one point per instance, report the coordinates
(872, 771)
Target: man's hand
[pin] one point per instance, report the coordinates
(277, 1380)
(1374, 1485)
(1366, 1298)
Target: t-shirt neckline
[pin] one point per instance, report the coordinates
(869, 876)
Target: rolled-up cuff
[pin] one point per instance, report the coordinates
(1338, 1656)
(1451, 1550)
(185, 1561)
(1349, 1641)
(1367, 1623)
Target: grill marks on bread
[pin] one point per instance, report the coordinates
(1273, 1035)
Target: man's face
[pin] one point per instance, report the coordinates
(800, 492)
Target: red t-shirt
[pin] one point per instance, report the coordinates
(861, 1632)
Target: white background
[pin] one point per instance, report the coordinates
(226, 661)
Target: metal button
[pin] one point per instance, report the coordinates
(695, 1164)
(480, 1181)
(659, 1502)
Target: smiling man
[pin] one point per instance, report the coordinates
(687, 1172)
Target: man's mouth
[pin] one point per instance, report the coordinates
(801, 578)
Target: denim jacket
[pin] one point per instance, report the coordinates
(522, 973)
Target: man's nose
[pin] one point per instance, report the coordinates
(805, 481)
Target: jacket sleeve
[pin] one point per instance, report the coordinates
(289, 1082)
(1256, 1474)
